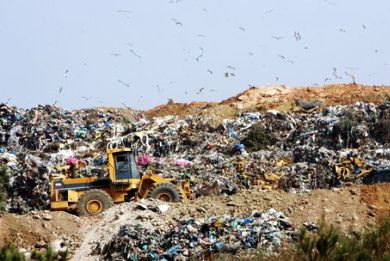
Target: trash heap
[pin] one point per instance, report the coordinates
(295, 151)
(199, 238)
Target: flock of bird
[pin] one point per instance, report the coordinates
(229, 70)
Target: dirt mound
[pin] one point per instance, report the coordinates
(278, 97)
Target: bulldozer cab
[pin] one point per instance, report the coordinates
(122, 165)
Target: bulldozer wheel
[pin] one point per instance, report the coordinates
(94, 202)
(166, 192)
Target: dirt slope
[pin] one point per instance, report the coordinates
(278, 97)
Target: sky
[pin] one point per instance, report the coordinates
(140, 53)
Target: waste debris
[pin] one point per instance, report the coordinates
(198, 237)
(298, 152)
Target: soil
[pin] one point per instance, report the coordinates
(351, 207)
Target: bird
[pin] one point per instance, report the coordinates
(200, 35)
(327, 79)
(198, 58)
(86, 98)
(60, 90)
(135, 54)
(116, 54)
(277, 37)
(277, 78)
(200, 90)
(125, 84)
(122, 11)
(282, 56)
(376, 50)
(8, 100)
(242, 28)
(230, 67)
(268, 11)
(290, 61)
(226, 74)
(250, 53)
(212, 90)
(335, 73)
(209, 71)
(66, 73)
(329, 2)
(297, 36)
(352, 77)
(177, 22)
(232, 74)
(364, 26)
(158, 88)
(342, 30)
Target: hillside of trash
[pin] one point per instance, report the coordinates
(294, 150)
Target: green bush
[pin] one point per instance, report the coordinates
(3, 182)
(10, 253)
(258, 138)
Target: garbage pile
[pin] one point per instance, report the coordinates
(295, 151)
(194, 237)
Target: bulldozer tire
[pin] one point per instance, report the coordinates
(166, 192)
(94, 202)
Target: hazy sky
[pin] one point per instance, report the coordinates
(140, 53)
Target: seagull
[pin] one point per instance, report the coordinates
(135, 54)
(200, 35)
(277, 78)
(86, 98)
(125, 84)
(177, 22)
(282, 56)
(352, 77)
(364, 26)
(335, 73)
(242, 28)
(60, 90)
(342, 30)
(66, 73)
(116, 54)
(290, 61)
(123, 11)
(212, 90)
(232, 74)
(250, 53)
(198, 58)
(226, 74)
(297, 36)
(230, 67)
(158, 88)
(269, 11)
(277, 37)
(199, 91)
(7, 101)
(209, 71)
(327, 79)
(329, 2)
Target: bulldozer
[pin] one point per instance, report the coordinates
(125, 182)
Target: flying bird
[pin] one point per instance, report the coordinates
(364, 26)
(226, 74)
(199, 91)
(327, 79)
(209, 71)
(86, 98)
(135, 54)
(282, 56)
(250, 53)
(116, 54)
(212, 90)
(124, 83)
(242, 28)
(60, 90)
(335, 73)
(352, 77)
(198, 58)
(123, 11)
(297, 36)
(230, 67)
(342, 30)
(277, 37)
(66, 73)
(177, 22)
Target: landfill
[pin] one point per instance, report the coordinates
(197, 237)
(297, 152)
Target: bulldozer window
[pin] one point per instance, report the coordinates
(125, 166)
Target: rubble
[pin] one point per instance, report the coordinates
(305, 148)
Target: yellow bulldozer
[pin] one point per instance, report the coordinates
(92, 195)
